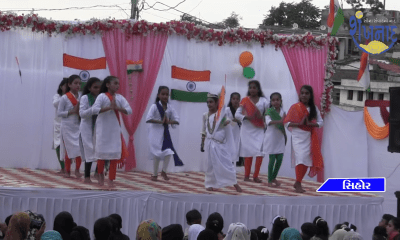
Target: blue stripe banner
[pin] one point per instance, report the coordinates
(353, 185)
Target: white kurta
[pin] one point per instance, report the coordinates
(251, 137)
(156, 131)
(235, 132)
(86, 129)
(56, 122)
(301, 143)
(218, 147)
(69, 129)
(274, 140)
(107, 129)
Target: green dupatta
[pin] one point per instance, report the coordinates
(276, 117)
(91, 100)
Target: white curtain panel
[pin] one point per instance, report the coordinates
(88, 206)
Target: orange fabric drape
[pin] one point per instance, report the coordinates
(250, 109)
(374, 130)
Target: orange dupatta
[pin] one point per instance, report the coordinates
(72, 98)
(250, 109)
(295, 115)
(124, 150)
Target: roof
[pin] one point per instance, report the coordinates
(388, 67)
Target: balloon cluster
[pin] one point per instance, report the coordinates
(245, 59)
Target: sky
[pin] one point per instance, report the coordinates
(251, 11)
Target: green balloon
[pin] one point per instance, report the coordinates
(248, 72)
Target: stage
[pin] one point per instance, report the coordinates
(137, 198)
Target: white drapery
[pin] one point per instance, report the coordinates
(88, 206)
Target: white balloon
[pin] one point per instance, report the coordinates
(237, 69)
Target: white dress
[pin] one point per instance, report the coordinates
(218, 147)
(107, 129)
(274, 140)
(235, 132)
(86, 129)
(156, 131)
(69, 129)
(56, 122)
(301, 143)
(251, 137)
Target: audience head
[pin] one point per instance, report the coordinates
(118, 220)
(255, 234)
(338, 234)
(7, 221)
(215, 222)
(102, 229)
(238, 231)
(308, 230)
(193, 217)
(64, 223)
(148, 230)
(393, 226)
(352, 236)
(80, 233)
(278, 225)
(18, 227)
(290, 234)
(322, 228)
(172, 232)
(264, 233)
(194, 231)
(206, 234)
(51, 235)
(385, 220)
(37, 221)
(350, 226)
(379, 233)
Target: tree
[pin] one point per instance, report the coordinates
(232, 21)
(375, 6)
(304, 13)
(190, 18)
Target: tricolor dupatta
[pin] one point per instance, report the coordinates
(124, 150)
(167, 142)
(296, 113)
(72, 98)
(251, 110)
(276, 117)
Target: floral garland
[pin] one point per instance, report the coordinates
(190, 30)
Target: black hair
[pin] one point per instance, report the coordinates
(117, 218)
(308, 230)
(380, 231)
(270, 98)
(254, 234)
(233, 110)
(104, 88)
(311, 104)
(387, 217)
(80, 233)
(258, 85)
(215, 222)
(89, 84)
(278, 226)
(396, 223)
(102, 229)
(71, 80)
(322, 228)
(207, 234)
(352, 226)
(192, 216)
(263, 236)
(160, 88)
(63, 82)
(7, 221)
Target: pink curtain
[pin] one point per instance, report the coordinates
(307, 67)
(148, 48)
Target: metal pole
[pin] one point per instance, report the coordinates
(133, 9)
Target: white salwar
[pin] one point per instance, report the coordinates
(235, 132)
(69, 129)
(274, 140)
(156, 131)
(86, 129)
(301, 143)
(56, 123)
(251, 137)
(107, 129)
(218, 146)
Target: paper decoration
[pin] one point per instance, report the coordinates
(245, 59)
(134, 66)
(248, 72)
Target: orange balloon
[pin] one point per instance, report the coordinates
(245, 59)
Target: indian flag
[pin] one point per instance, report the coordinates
(335, 17)
(189, 85)
(363, 75)
(85, 68)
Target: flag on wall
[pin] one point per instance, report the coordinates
(335, 17)
(189, 85)
(85, 68)
(363, 77)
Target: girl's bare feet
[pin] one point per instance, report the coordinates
(247, 179)
(110, 183)
(154, 178)
(62, 171)
(96, 176)
(276, 182)
(67, 174)
(210, 189)
(101, 179)
(238, 188)
(87, 180)
(298, 187)
(257, 180)
(270, 184)
(164, 175)
(78, 174)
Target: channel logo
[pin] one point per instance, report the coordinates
(353, 185)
